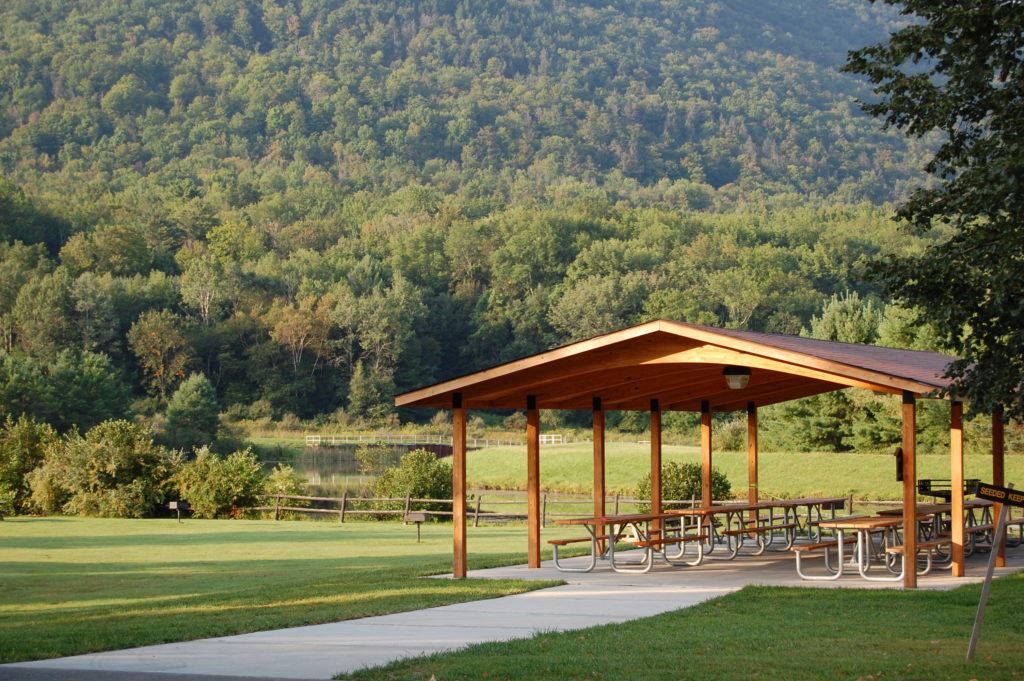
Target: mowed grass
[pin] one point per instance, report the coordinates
(569, 468)
(72, 585)
(766, 633)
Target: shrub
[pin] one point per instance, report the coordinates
(115, 470)
(285, 480)
(681, 481)
(218, 486)
(420, 475)
(22, 446)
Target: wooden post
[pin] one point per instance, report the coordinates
(277, 507)
(656, 462)
(956, 483)
(752, 489)
(459, 486)
(408, 507)
(533, 481)
(909, 490)
(341, 511)
(476, 516)
(705, 453)
(998, 476)
(599, 500)
(544, 511)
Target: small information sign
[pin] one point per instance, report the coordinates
(1001, 495)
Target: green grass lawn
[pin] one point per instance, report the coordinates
(569, 468)
(72, 585)
(763, 633)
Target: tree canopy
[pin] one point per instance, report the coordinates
(957, 69)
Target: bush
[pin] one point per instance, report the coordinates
(681, 481)
(218, 486)
(23, 444)
(115, 470)
(285, 480)
(420, 475)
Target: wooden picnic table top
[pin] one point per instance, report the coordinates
(614, 519)
(875, 522)
(939, 508)
(739, 506)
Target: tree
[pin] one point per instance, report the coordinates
(161, 348)
(192, 413)
(957, 69)
(370, 393)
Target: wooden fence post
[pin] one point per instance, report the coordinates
(544, 511)
(849, 505)
(476, 516)
(616, 503)
(408, 504)
(344, 498)
(277, 507)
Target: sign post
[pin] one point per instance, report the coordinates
(1005, 496)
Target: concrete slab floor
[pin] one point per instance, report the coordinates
(588, 599)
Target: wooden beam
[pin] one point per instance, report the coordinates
(794, 358)
(784, 392)
(668, 380)
(611, 381)
(656, 461)
(909, 490)
(956, 483)
(459, 485)
(706, 496)
(599, 495)
(533, 480)
(998, 474)
(602, 352)
(752, 491)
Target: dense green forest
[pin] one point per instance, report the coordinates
(300, 207)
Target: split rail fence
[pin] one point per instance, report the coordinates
(478, 509)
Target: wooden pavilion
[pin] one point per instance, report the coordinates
(671, 366)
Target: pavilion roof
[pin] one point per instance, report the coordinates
(681, 365)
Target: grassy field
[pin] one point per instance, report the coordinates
(569, 468)
(763, 633)
(72, 585)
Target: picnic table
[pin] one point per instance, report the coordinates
(650, 540)
(745, 521)
(888, 550)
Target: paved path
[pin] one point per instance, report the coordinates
(321, 651)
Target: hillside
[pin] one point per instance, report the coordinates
(307, 206)
(484, 96)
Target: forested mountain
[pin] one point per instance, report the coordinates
(314, 203)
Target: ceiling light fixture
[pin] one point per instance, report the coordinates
(736, 377)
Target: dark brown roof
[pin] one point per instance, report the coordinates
(681, 365)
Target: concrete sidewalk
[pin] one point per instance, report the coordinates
(600, 597)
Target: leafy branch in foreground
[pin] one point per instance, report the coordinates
(956, 70)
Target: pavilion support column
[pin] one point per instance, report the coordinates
(998, 476)
(956, 483)
(459, 485)
(599, 496)
(752, 491)
(533, 480)
(705, 453)
(656, 461)
(909, 490)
